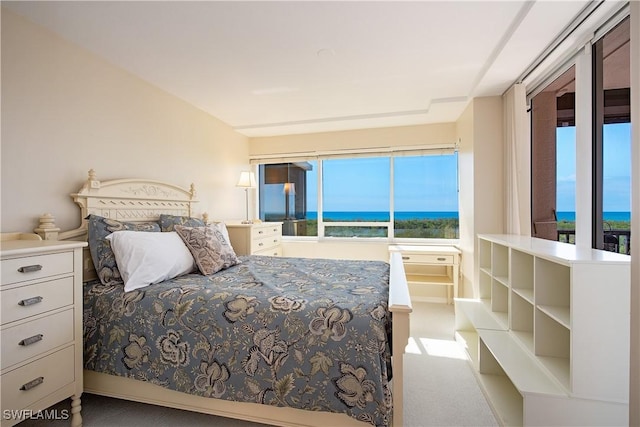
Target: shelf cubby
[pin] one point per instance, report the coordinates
(522, 274)
(500, 263)
(500, 300)
(521, 315)
(552, 342)
(484, 287)
(552, 283)
(484, 256)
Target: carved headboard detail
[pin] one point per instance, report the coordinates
(133, 200)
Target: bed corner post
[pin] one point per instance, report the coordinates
(400, 307)
(192, 197)
(47, 227)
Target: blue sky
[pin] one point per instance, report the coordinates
(616, 168)
(426, 183)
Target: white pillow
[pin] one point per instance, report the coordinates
(223, 229)
(145, 258)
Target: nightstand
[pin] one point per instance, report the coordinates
(427, 266)
(261, 238)
(40, 326)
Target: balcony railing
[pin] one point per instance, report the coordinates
(614, 240)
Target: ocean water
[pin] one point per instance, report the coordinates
(607, 216)
(382, 216)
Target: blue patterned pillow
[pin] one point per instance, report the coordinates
(168, 221)
(209, 248)
(103, 258)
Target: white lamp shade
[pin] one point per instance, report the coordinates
(247, 180)
(289, 188)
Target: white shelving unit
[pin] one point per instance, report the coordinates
(549, 334)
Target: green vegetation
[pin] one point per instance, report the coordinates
(623, 243)
(355, 231)
(312, 227)
(608, 225)
(443, 228)
(566, 225)
(617, 225)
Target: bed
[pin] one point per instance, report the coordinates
(266, 339)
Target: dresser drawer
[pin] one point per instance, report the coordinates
(266, 242)
(25, 301)
(31, 338)
(427, 259)
(36, 267)
(273, 251)
(264, 231)
(30, 383)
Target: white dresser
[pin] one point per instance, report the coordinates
(40, 327)
(263, 238)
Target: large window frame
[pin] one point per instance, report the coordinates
(610, 106)
(589, 118)
(322, 224)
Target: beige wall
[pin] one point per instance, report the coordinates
(464, 128)
(481, 163)
(488, 158)
(64, 111)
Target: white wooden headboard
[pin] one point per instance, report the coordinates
(123, 200)
(133, 200)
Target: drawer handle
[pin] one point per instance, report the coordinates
(260, 232)
(441, 259)
(30, 301)
(260, 244)
(30, 268)
(33, 383)
(31, 340)
(406, 258)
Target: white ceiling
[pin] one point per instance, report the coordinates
(270, 68)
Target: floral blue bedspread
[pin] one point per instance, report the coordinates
(312, 334)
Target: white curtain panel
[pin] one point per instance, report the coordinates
(517, 161)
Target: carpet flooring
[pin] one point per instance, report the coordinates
(440, 388)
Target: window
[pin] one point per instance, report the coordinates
(355, 197)
(553, 157)
(408, 195)
(288, 194)
(554, 149)
(612, 140)
(426, 196)
(566, 183)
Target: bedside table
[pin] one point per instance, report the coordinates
(263, 238)
(40, 326)
(427, 266)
